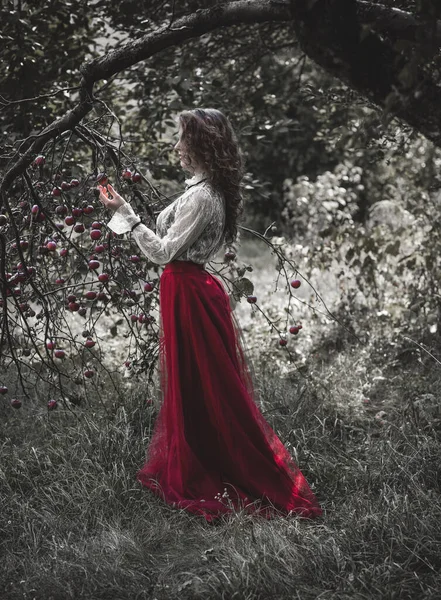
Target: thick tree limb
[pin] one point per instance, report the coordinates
(392, 21)
(329, 32)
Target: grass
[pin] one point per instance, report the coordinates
(76, 524)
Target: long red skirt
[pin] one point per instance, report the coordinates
(211, 449)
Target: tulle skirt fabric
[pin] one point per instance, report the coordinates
(211, 450)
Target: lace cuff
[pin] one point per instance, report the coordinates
(123, 219)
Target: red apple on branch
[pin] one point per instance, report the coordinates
(102, 179)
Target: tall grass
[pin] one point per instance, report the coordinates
(75, 523)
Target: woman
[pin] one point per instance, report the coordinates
(211, 448)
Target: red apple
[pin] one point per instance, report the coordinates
(229, 255)
(74, 183)
(89, 343)
(148, 287)
(87, 210)
(133, 318)
(71, 298)
(295, 283)
(59, 353)
(65, 186)
(90, 295)
(102, 179)
(64, 252)
(60, 280)
(95, 234)
(93, 264)
(294, 329)
(97, 225)
(136, 177)
(61, 209)
(74, 306)
(103, 277)
(51, 245)
(127, 174)
(77, 211)
(56, 192)
(283, 342)
(15, 403)
(79, 228)
(3, 389)
(39, 161)
(89, 373)
(99, 248)
(52, 405)
(35, 209)
(252, 299)
(134, 258)
(82, 311)
(24, 244)
(50, 345)
(69, 220)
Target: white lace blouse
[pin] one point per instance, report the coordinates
(190, 228)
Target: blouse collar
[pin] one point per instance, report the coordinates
(196, 178)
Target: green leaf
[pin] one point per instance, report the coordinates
(393, 248)
(242, 287)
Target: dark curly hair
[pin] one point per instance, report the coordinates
(211, 142)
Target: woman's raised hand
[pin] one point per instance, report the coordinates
(112, 203)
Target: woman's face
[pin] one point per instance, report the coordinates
(182, 150)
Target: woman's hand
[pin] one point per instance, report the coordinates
(111, 203)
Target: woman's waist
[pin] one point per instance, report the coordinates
(183, 266)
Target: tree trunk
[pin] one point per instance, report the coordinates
(330, 33)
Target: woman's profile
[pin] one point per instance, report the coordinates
(210, 435)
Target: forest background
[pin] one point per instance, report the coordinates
(337, 106)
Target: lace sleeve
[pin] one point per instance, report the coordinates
(191, 218)
(123, 219)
